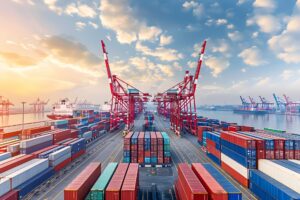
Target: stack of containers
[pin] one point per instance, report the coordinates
(14, 162)
(78, 147)
(113, 190)
(26, 172)
(215, 190)
(188, 186)
(59, 159)
(147, 148)
(213, 143)
(72, 121)
(232, 192)
(238, 154)
(79, 188)
(126, 148)
(34, 182)
(12, 195)
(87, 136)
(14, 149)
(31, 132)
(98, 190)
(160, 148)
(200, 131)
(134, 148)
(129, 189)
(153, 148)
(4, 156)
(43, 153)
(60, 135)
(60, 123)
(167, 150)
(278, 179)
(34, 144)
(141, 147)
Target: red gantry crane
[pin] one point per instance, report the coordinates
(291, 107)
(39, 105)
(126, 100)
(179, 101)
(5, 104)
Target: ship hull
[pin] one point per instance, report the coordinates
(58, 117)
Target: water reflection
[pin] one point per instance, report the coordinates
(6, 120)
(290, 123)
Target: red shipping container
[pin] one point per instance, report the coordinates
(191, 185)
(297, 154)
(37, 130)
(12, 195)
(141, 147)
(242, 180)
(200, 131)
(37, 153)
(14, 163)
(10, 134)
(180, 193)
(72, 121)
(61, 135)
(289, 154)
(247, 128)
(80, 187)
(216, 191)
(129, 189)
(61, 165)
(74, 133)
(240, 140)
(78, 154)
(114, 187)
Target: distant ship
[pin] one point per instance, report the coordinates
(64, 109)
(255, 112)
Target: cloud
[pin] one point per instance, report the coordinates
(235, 36)
(80, 25)
(119, 17)
(252, 56)
(81, 10)
(221, 22)
(196, 8)
(192, 64)
(14, 59)
(265, 4)
(240, 2)
(216, 64)
(254, 35)
(263, 81)
(94, 25)
(230, 26)
(286, 45)
(268, 23)
(220, 46)
(165, 40)
(53, 7)
(287, 74)
(164, 54)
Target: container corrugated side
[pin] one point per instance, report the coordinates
(130, 184)
(98, 190)
(4, 186)
(17, 168)
(57, 154)
(15, 162)
(28, 172)
(34, 141)
(4, 156)
(280, 173)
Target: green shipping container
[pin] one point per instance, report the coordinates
(98, 190)
(274, 130)
(166, 138)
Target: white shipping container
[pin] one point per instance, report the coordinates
(28, 172)
(13, 148)
(283, 175)
(4, 156)
(34, 141)
(4, 186)
(11, 158)
(296, 161)
(88, 135)
(235, 165)
(17, 168)
(53, 163)
(57, 154)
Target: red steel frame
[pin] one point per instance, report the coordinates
(124, 104)
(179, 101)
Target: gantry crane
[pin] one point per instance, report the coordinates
(126, 99)
(280, 104)
(245, 104)
(181, 100)
(291, 107)
(39, 105)
(253, 104)
(5, 104)
(265, 104)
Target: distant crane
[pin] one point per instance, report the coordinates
(265, 104)
(39, 105)
(280, 104)
(253, 104)
(291, 107)
(245, 104)
(5, 104)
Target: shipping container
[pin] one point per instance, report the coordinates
(4, 185)
(15, 162)
(113, 189)
(4, 156)
(215, 190)
(129, 189)
(79, 188)
(232, 191)
(12, 195)
(192, 187)
(98, 190)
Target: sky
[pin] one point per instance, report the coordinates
(51, 49)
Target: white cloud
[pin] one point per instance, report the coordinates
(81, 10)
(80, 25)
(217, 65)
(166, 70)
(235, 36)
(230, 26)
(165, 40)
(119, 17)
(190, 27)
(221, 22)
(52, 6)
(252, 56)
(263, 81)
(266, 4)
(240, 2)
(254, 35)
(197, 8)
(220, 46)
(268, 23)
(108, 37)
(287, 74)
(94, 25)
(243, 70)
(192, 64)
(161, 53)
(209, 22)
(177, 66)
(286, 45)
